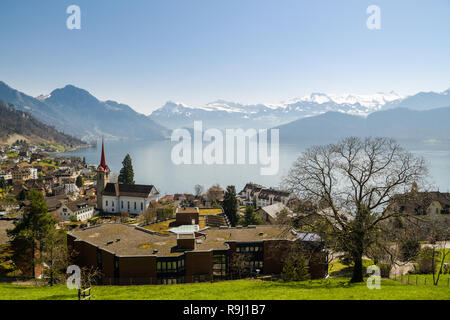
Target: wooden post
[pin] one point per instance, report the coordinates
(425, 281)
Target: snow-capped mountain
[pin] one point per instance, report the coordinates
(225, 114)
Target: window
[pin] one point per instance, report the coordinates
(135, 205)
(220, 266)
(128, 205)
(172, 265)
(121, 204)
(142, 206)
(106, 202)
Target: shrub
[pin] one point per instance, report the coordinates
(409, 250)
(425, 260)
(385, 269)
(295, 269)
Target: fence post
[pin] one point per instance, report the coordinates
(408, 278)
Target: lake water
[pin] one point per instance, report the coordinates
(152, 165)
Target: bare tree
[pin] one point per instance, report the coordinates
(215, 193)
(149, 215)
(89, 276)
(353, 180)
(198, 189)
(440, 236)
(54, 255)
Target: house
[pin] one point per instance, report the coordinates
(427, 208)
(269, 213)
(126, 254)
(81, 209)
(21, 174)
(71, 188)
(265, 196)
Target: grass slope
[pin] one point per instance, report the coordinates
(333, 289)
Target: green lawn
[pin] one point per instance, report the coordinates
(236, 290)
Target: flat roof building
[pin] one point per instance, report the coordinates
(126, 254)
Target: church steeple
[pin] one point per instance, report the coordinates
(102, 177)
(103, 166)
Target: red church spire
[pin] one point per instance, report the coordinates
(103, 164)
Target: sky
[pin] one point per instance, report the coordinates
(146, 52)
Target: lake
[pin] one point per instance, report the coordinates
(152, 165)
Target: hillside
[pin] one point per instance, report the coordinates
(15, 124)
(75, 111)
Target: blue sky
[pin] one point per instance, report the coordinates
(145, 52)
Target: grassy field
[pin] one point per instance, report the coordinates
(332, 289)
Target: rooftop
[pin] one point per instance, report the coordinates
(126, 240)
(133, 190)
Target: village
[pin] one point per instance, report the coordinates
(127, 233)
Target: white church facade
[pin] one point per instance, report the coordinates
(120, 197)
(132, 198)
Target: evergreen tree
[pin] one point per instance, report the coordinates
(230, 205)
(295, 269)
(79, 181)
(301, 270)
(250, 217)
(34, 226)
(126, 175)
(3, 184)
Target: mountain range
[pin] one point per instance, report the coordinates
(75, 111)
(224, 114)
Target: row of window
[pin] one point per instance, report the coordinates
(254, 264)
(128, 205)
(170, 266)
(249, 249)
(170, 280)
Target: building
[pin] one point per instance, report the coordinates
(126, 254)
(21, 174)
(103, 176)
(132, 198)
(427, 209)
(120, 197)
(269, 214)
(187, 216)
(265, 196)
(81, 209)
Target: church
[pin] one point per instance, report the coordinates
(119, 197)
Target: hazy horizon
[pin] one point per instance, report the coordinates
(144, 54)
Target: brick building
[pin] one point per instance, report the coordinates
(125, 254)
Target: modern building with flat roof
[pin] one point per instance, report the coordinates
(126, 254)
